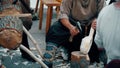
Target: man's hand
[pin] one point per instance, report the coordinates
(74, 31)
(93, 25)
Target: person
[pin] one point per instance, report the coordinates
(75, 20)
(102, 53)
(107, 32)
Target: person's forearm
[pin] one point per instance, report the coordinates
(73, 30)
(66, 23)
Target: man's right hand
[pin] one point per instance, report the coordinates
(74, 31)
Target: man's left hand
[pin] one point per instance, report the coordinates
(93, 25)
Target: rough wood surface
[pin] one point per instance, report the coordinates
(11, 22)
(18, 3)
(79, 60)
(3, 2)
(10, 32)
(15, 10)
(10, 9)
(26, 18)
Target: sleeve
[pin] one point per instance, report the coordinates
(98, 35)
(101, 4)
(98, 40)
(65, 8)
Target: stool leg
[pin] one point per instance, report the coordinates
(41, 14)
(49, 17)
(36, 8)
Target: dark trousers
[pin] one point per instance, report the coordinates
(60, 35)
(25, 43)
(113, 64)
(27, 24)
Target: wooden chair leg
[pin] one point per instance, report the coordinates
(41, 15)
(49, 17)
(36, 8)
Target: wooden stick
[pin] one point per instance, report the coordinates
(18, 15)
(34, 42)
(33, 56)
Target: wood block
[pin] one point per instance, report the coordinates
(11, 25)
(10, 32)
(79, 60)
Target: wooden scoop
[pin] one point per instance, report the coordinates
(87, 42)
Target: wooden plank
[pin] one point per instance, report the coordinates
(51, 2)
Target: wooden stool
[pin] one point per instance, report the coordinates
(79, 60)
(50, 4)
